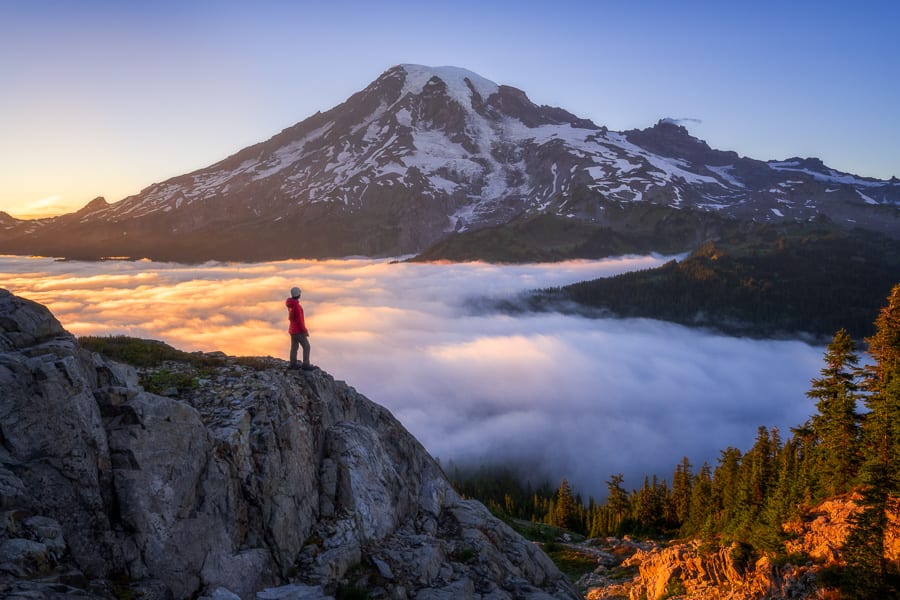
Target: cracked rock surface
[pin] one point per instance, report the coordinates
(255, 482)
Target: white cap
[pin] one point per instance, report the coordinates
(295, 291)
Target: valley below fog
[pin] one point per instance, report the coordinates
(562, 395)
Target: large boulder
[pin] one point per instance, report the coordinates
(255, 483)
(24, 323)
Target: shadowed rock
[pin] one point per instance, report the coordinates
(258, 482)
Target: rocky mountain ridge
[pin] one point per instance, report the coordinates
(424, 153)
(256, 483)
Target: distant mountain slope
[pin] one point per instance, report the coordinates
(424, 153)
(769, 282)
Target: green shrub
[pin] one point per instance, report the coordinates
(159, 381)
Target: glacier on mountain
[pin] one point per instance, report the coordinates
(417, 76)
(423, 152)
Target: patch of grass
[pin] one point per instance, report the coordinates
(570, 561)
(621, 573)
(139, 352)
(536, 532)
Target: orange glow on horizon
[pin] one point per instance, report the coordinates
(466, 380)
(238, 308)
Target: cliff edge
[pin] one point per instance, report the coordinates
(256, 483)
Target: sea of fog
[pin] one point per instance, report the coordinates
(560, 395)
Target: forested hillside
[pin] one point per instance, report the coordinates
(771, 281)
(625, 229)
(746, 497)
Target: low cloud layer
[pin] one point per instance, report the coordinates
(566, 396)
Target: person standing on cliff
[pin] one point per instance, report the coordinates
(299, 332)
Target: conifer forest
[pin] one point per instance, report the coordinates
(851, 445)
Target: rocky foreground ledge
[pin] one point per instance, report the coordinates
(259, 483)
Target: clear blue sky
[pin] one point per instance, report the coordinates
(106, 97)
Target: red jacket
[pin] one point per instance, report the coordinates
(295, 315)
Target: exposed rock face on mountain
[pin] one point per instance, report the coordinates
(713, 575)
(257, 484)
(698, 571)
(423, 153)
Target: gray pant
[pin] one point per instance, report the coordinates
(299, 339)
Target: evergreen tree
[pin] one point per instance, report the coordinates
(565, 513)
(880, 472)
(806, 486)
(726, 504)
(836, 426)
(783, 500)
(649, 506)
(681, 492)
(700, 521)
(617, 503)
(756, 478)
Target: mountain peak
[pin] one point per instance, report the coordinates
(460, 82)
(669, 137)
(424, 153)
(811, 163)
(671, 125)
(96, 203)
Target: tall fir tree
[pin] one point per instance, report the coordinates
(617, 501)
(880, 472)
(726, 496)
(757, 476)
(702, 509)
(836, 426)
(565, 514)
(681, 491)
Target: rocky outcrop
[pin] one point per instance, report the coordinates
(256, 483)
(821, 533)
(691, 570)
(703, 571)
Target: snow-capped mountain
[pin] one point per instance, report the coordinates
(424, 152)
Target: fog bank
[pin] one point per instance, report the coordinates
(567, 396)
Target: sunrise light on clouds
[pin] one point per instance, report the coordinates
(471, 384)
